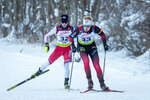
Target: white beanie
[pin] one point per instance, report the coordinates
(87, 22)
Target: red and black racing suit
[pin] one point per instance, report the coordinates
(89, 49)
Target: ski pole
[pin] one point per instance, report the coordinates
(104, 63)
(71, 70)
(25, 81)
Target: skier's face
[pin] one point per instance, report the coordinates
(64, 24)
(86, 28)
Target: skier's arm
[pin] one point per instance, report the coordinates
(46, 35)
(101, 33)
(71, 39)
(73, 35)
(72, 29)
(103, 36)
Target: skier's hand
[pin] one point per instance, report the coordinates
(106, 47)
(46, 47)
(74, 49)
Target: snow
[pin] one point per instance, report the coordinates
(26, 20)
(133, 19)
(18, 62)
(56, 12)
(85, 13)
(56, 1)
(6, 25)
(147, 1)
(11, 35)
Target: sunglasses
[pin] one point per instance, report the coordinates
(87, 26)
(64, 22)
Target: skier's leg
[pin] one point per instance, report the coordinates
(67, 59)
(95, 60)
(44, 65)
(85, 59)
(67, 71)
(84, 56)
(55, 55)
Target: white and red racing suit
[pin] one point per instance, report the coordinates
(63, 45)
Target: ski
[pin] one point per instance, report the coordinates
(93, 90)
(25, 81)
(71, 90)
(86, 91)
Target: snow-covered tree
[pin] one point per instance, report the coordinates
(125, 22)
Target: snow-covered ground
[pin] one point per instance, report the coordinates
(18, 62)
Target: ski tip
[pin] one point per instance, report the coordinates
(71, 90)
(82, 92)
(121, 91)
(68, 89)
(47, 70)
(7, 89)
(116, 91)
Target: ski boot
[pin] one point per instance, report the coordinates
(66, 83)
(90, 84)
(36, 74)
(104, 87)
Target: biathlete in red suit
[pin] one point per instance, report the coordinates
(86, 41)
(63, 47)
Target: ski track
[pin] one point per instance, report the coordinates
(121, 74)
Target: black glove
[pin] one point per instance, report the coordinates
(46, 47)
(74, 49)
(105, 47)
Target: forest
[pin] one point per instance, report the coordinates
(126, 23)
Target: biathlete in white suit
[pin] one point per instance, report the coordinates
(63, 47)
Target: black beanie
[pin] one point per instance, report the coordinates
(64, 18)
